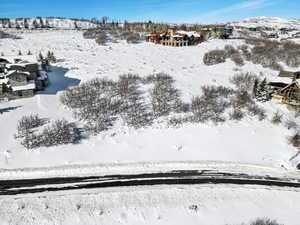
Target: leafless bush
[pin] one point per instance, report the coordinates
(264, 221)
(160, 77)
(26, 123)
(291, 124)
(230, 51)
(212, 104)
(294, 140)
(255, 110)
(58, 133)
(277, 118)
(101, 38)
(133, 38)
(214, 57)
(236, 114)
(237, 59)
(165, 98)
(244, 81)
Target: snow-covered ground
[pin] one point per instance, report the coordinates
(248, 141)
(203, 204)
(270, 22)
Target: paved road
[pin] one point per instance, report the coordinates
(185, 177)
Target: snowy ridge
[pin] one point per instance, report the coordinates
(271, 22)
(143, 167)
(58, 23)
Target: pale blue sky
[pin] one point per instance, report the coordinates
(182, 11)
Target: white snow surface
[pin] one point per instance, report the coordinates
(249, 141)
(271, 22)
(160, 205)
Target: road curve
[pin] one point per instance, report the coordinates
(175, 177)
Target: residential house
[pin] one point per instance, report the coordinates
(21, 79)
(175, 38)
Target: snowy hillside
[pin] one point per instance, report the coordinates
(58, 23)
(79, 59)
(270, 22)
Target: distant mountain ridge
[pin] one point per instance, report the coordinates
(272, 22)
(50, 22)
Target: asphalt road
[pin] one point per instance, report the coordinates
(183, 177)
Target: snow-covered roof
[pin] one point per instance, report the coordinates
(4, 81)
(188, 33)
(29, 86)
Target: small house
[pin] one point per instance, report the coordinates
(287, 93)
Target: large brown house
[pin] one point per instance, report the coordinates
(175, 38)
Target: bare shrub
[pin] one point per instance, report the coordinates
(277, 118)
(133, 38)
(264, 221)
(237, 59)
(214, 57)
(212, 104)
(291, 124)
(101, 38)
(255, 110)
(237, 115)
(162, 77)
(58, 133)
(230, 51)
(294, 140)
(165, 98)
(26, 123)
(244, 81)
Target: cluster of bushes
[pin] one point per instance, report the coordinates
(7, 35)
(215, 101)
(100, 102)
(57, 133)
(263, 221)
(264, 52)
(112, 34)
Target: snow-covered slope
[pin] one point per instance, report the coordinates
(270, 22)
(248, 141)
(58, 23)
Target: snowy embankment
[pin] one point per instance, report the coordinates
(205, 204)
(248, 141)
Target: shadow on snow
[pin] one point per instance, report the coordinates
(58, 81)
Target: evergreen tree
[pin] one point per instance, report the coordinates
(40, 57)
(2, 54)
(29, 52)
(255, 86)
(263, 93)
(26, 25)
(19, 53)
(35, 24)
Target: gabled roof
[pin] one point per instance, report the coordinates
(2, 60)
(278, 84)
(295, 83)
(289, 74)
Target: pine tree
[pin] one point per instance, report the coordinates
(35, 24)
(19, 53)
(29, 52)
(2, 54)
(255, 86)
(26, 25)
(263, 92)
(40, 57)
